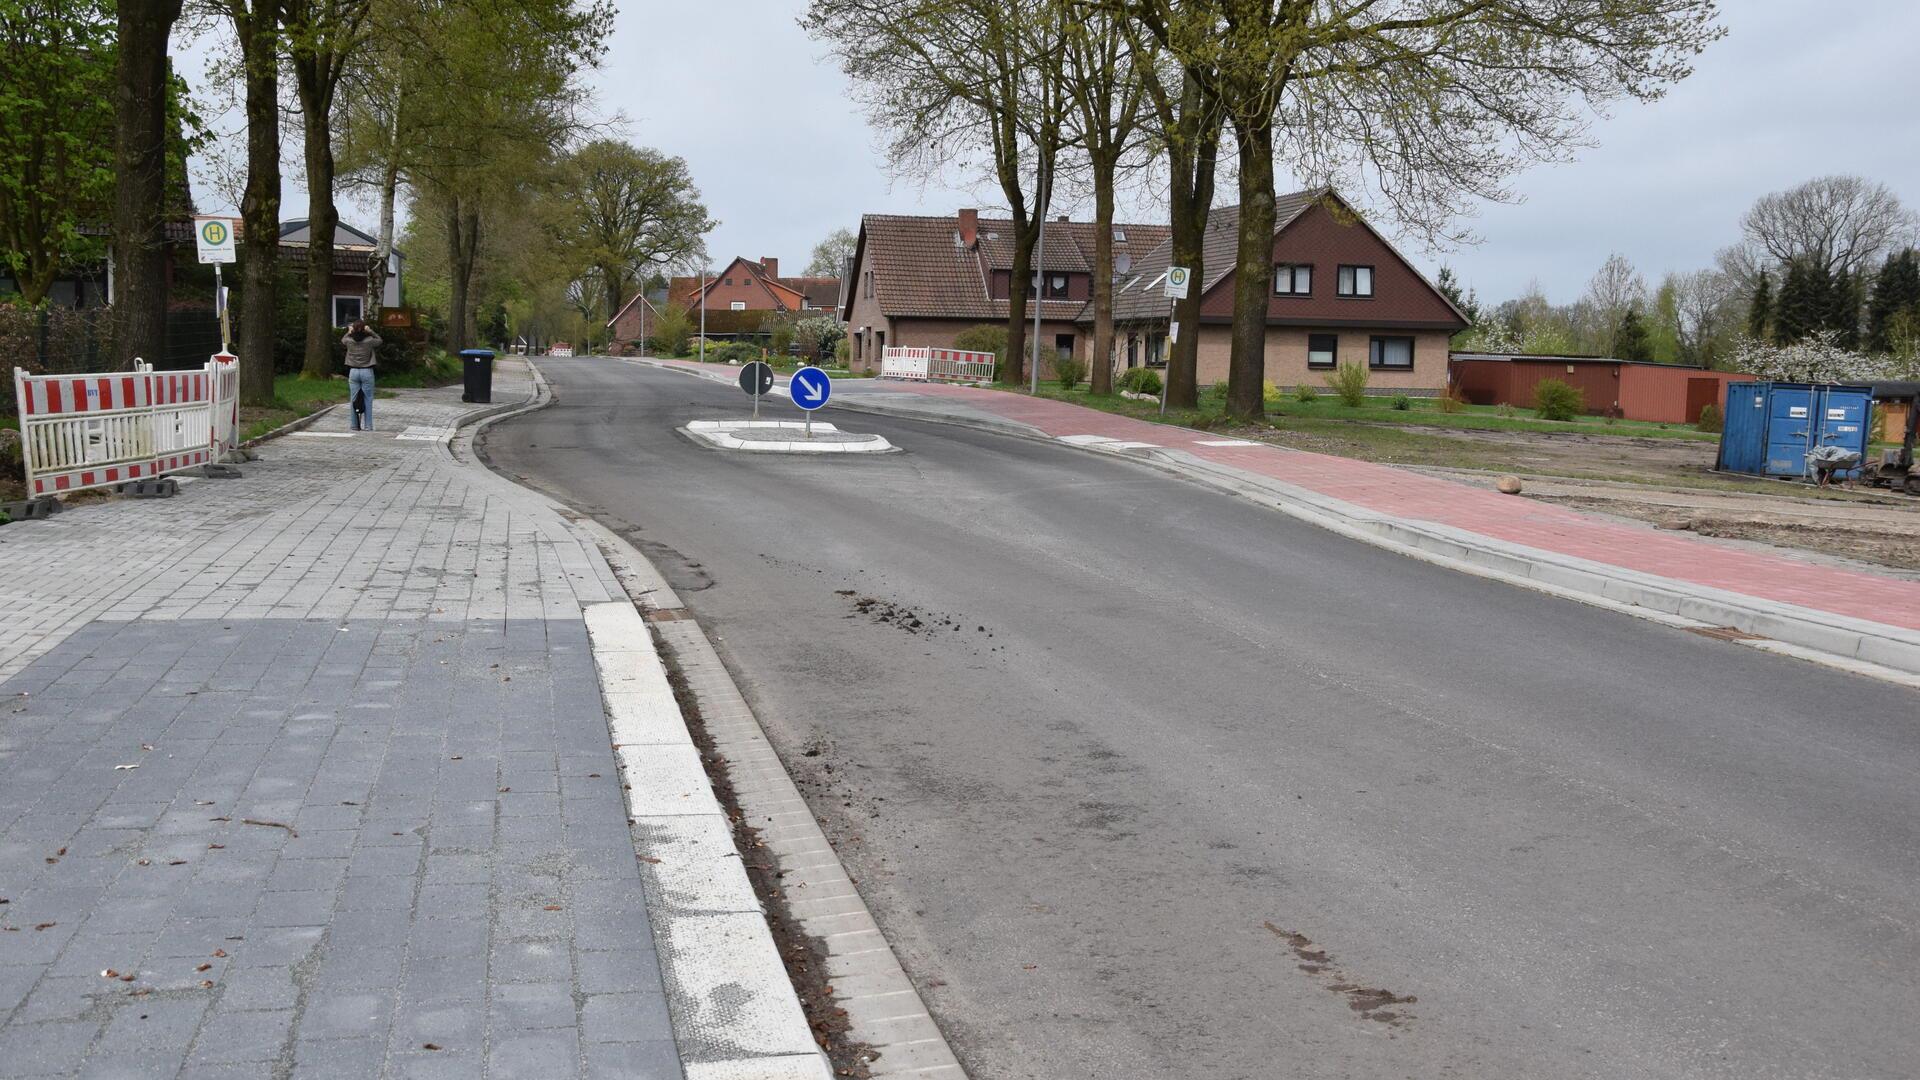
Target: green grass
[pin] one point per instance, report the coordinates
(9, 423)
(297, 395)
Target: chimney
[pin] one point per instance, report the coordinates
(772, 266)
(969, 227)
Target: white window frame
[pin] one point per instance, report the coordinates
(736, 305)
(360, 304)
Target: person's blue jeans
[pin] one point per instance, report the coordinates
(360, 384)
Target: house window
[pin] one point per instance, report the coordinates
(1323, 350)
(1119, 235)
(1392, 353)
(726, 281)
(1133, 351)
(1056, 287)
(1063, 346)
(1356, 281)
(737, 305)
(866, 284)
(348, 310)
(1156, 350)
(1293, 279)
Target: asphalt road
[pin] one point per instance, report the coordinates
(1144, 732)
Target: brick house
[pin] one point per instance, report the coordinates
(745, 285)
(632, 325)
(353, 255)
(1341, 293)
(919, 281)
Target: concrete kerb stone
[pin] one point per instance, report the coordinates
(1889, 653)
(740, 435)
(734, 1010)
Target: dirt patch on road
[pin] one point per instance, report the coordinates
(1370, 1002)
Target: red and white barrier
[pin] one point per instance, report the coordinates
(89, 431)
(936, 365)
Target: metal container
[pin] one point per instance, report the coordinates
(1770, 426)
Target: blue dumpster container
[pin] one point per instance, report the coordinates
(1770, 426)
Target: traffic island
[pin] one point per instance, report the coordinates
(784, 437)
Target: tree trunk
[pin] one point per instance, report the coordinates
(1015, 367)
(613, 285)
(322, 217)
(1192, 153)
(1100, 357)
(259, 247)
(383, 247)
(1253, 270)
(140, 180)
(463, 243)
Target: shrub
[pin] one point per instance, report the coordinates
(1401, 403)
(843, 351)
(1141, 380)
(1305, 395)
(1349, 383)
(1710, 418)
(1069, 370)
(733, 352)
(1506, 409)
(1449, 404)
(670, 331)
(1555, 400)
(986, 337)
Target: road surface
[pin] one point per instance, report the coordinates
(1145, 781)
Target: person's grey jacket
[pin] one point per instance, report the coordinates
(361, 353)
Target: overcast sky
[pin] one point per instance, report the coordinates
(1795, 90)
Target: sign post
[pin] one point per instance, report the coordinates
(213, 239)
(756, 379)
(1176, 291)
(810, 388)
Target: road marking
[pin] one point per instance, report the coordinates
(323, 434)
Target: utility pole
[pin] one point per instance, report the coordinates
(1039, 272)
(703, 314)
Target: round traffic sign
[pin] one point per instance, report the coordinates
(215, 232)
(810, 388)
(757, 379)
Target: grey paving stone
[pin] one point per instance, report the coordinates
(532, 1005)
(242, 1035)
(347, 943)
(533, 1055)
(656, 1060)
(625, 1018)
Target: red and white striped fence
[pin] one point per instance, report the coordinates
(89, 431)
(936, 365)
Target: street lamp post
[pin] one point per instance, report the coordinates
(703, 314)
(1039, 274)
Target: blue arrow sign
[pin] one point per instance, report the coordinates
(810, 388)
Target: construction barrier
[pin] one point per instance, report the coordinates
(936, 365)
(91, 431)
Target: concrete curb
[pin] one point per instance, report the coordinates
(734, 1010)
(720, 434)
(291, 426)
(1885, 652)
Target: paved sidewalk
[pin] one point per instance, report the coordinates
(1406, 494)
(307, 774)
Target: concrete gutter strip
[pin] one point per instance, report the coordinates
(1874, 649)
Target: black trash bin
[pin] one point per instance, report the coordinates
(477, 366)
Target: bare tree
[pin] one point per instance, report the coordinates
(1434, 104)
(1189, 124)
(943, 77)
(1614, 290)
(1109, 106)
(830, 255)
(323, 37)
(1842, 223)
(1706, 308)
